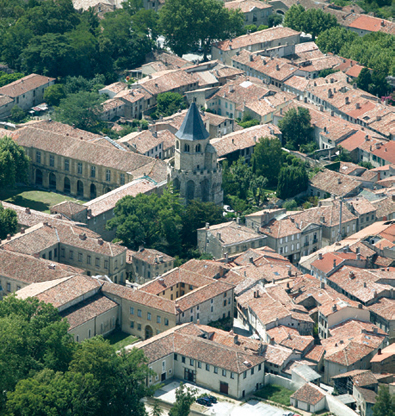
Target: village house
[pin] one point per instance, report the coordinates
(382, 314)
(242, 143)
(19, 270)
(364, 24)
(270, 70)
(77, 247)
(263, 39)
(327, 183)
(228, 239)
(211, 358)
(255, 12)
(309, 398)
(26, 92)
(177, 297)
(149, 263)
(384, 360)
(79, 300)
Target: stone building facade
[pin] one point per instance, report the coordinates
(194, 170)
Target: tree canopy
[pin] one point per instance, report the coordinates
(296, 127)
(45, 372)
(14, 163)
(169, 103)
(385, 403)
(81, 109)
(188, 24)
(185, 396)
(8, 222)
(267, 158)
(313, 21)
(162, 222)
(293, 179)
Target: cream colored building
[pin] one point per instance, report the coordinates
(217, 360)
(74, 246)
(148, 264)
(80, 301)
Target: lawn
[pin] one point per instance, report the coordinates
(276, 394)
(33, 198)
(121, 339)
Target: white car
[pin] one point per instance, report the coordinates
(227, 208)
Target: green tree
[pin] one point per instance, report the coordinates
(294, 17)
(267, 159)
(257, 186)
(236, 178)
(17, 114)
(366, 165)
(8, 222)
(333, 39)
(81, 109)
(195, 216)
(14, 164)
(291, 181)
(275, 20)
(315, 21)
(296, 127)
(169, 103)
(343, 156)
(185, 396)
(250, 28)
(385, 403)
(53, 94)
(8, 78)
(151, 220)
(325, 72)
(187, 24)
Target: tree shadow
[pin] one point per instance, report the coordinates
(29, 203)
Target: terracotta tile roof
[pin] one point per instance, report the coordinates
(298, 343)
(28, 269)
(41, 237)
(326, 263)
(368, 395)
(4, 100)
(116, 87)
(276, 68)
(233, 233)
(373, 24)
(88, 309)
(201, 343)
(244, 139)
(68, 208)
(139, 296)
(168, 81)
(25, 84)
(28, 217)
(348, 353)
(386, 352)
(112, 104)
(385, 308)
(108, 201)
(246, 6)
(207, 268)
(67, 146)
(152, 256)
(278, 355)
(134, 95)
(315, 354)
(62, 292)
(355, 140)
(267, 105)
(333, 306)
(298, 82)
(260, 256)
(335, 183)
(155, 169)
(169, 59)
(202, 294)
(363, 284)
(262, 36)
(362, 206)
(145, 140)
(309, 393)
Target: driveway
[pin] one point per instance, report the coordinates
(225, 406)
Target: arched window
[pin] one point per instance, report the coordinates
(197, 148)
(177, 144)
(186, 147)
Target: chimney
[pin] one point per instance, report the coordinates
(358, 256)
(8, 236)
(320, 256)
(334, 307)
(207, 225)
(251, 259)
(277, 67)
(27, 211)
(155, 134)
(379, 351)
(238, 220)
(219, 236)
(251, 58)
(22, 230)
(347, 100)
(330, 95)
(351, 275)
(334, 263)
(364, 284)
(281, 111)
(82, 236)
(257, 293)
(332, 113)
(226, 258)
(322, 285)
(100, 241)
(339, 181)
(357, 106)
(236, 339)
(382, 23)
(141, 248)
(359, 305)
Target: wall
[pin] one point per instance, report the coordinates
(337, 407)
(282, 381)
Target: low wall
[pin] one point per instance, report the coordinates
(337, 407)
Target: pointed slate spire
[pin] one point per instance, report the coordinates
(192, 128)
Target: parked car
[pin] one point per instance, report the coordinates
(205, 401)
(212, 399)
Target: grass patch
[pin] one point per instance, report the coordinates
(121, 339)
(276, 394)
(33, 198)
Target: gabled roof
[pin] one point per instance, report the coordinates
(192, 128)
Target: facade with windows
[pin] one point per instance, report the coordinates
(209, 357)
(75, 166)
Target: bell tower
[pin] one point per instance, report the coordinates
(194, 170)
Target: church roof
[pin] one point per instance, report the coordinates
(192, 128)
